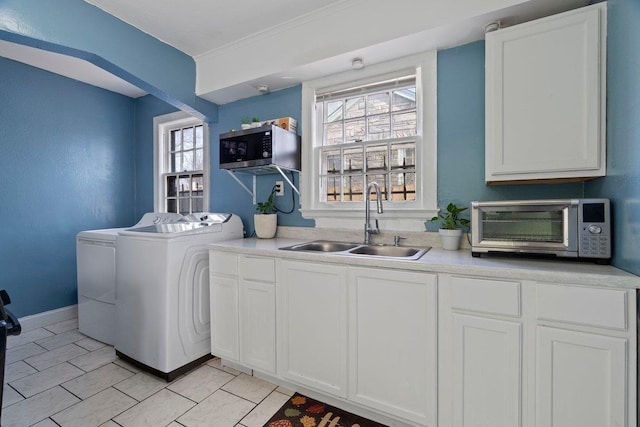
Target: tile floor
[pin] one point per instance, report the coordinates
(55, 376)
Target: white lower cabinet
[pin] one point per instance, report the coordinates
(313, 325)
(392, 342)
(223, 296)
(258, 325)
(581, 379)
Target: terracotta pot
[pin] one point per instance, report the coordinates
(265, 225)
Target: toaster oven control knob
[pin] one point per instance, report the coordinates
(594, 229)
(265, 154)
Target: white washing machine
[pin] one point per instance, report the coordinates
(162, 292)
(96, 274)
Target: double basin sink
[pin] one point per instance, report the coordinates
(356, 249)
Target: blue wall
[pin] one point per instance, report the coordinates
(622, 184)
(66, 165)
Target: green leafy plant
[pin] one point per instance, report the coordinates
(245, 121)
(450, 219)
(255, 119)
(268, 207)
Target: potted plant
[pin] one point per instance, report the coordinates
(451, 226)
(246, 124)
(265, 222)
(255, 122)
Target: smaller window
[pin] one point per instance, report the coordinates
(181, 165)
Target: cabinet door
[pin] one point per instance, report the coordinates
(486, 372)
(392, 344)
(580, 379)
(224, 317)
(313, 310)
(545, 98)
(258, 325)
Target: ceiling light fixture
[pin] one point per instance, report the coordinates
(492, 26)
(357, 63)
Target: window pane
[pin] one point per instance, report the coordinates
(176, 140)
(404, 124)
(172, 205)
(333, 133)
(352, 188)
(197, 185)
(199, 165)
(354, 130)
(377, 157)
(379, 127)
(197, 204)
(199, 136)
(187, 161)
(382, 183)
(331, 188)
(354, 107)
(176, 162)
(187, 139)
(184, 184)
(378, 103)
(353, 160)
(331, 161)
(403, 186)
(172, 188)
(334, 111)
(404, 99)
(403, 155)
(185, 206)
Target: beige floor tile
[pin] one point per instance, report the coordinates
(64, 326)
(109, 424)
(10, 396)
(217, 363)
(22, 352)
(127, 365)
(141, 386)
(27, 337)
(37, 408)
(286, 391)
(54, 357)
(200, 383)
(96, 410)
(90, 344)
(17, 370)
(98, 380)
(43, 380)
(60, 340)
(265, 410)
(95, 359)
(46, 423)
(158, 410)
(250, 388)
(221, 409)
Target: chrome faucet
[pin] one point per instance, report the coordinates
(368, 230)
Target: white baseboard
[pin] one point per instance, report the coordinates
(39, 320)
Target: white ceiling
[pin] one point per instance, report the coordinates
(209, 29)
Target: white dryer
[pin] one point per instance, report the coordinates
(162, 292)
(96, 274)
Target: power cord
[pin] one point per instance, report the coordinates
(293, 201)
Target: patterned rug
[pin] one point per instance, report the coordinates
(301, 411)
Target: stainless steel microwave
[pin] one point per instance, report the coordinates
(573, 228)
(268, 145)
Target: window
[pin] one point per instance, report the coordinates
(376, 124)
(181, 164)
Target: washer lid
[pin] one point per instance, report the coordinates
(210, 222)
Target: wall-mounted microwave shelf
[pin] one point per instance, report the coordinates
(261, 170)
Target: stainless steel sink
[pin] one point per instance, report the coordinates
(322, 246)
(355, 249)
(389, 251)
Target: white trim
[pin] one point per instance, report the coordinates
(161, 126)
(45, 318)
(406, 216)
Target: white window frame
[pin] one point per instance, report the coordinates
(162, 126)
(404, 215)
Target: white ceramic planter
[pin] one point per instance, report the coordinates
(256, 124)
(265, 225)
(450, 239)
(246, 126)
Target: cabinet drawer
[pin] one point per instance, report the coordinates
(486, 296)
(605, 308)
(223, 263)
(258, 268)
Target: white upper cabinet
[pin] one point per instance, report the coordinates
(546, 98)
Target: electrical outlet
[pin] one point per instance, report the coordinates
(279, 188)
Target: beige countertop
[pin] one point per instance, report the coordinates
(453, 262)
